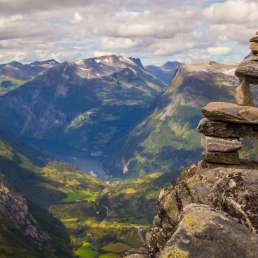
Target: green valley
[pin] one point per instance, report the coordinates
(101, 218)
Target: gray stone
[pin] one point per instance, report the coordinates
(214, 144)
(230, 112)
(227, 130)
(229, 158)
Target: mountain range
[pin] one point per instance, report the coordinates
(138, 122)
(132, 118)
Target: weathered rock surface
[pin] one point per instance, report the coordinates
(230, 112)
(248, 69)
(214, 144)
(203, 232)
(243, 94)
(227, 130)
(230, 158)
(211, 211)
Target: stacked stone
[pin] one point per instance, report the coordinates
(226, 124)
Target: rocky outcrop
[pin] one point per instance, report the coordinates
(208, 212)
(209, 234)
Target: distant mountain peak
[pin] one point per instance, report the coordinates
(172, 64)
(137, 61)
(45, 62)
(165, 72)
(105, 65)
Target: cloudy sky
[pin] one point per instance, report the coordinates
(154, 30)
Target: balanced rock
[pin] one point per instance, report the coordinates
(227, 130)
(230, 158)
(254, 39)
(230, 112)
(248, 69)
(214, 144)
(254, 47)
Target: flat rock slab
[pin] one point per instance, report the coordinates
(214, 144)
(231, 158)
(227, 130)
(230, 112)
(248, 69)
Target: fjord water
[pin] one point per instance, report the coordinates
(84, 163)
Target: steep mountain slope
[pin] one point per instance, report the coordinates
(83, 105)
(27, 229)
(165, 72)
(15, 74)
(166, 140)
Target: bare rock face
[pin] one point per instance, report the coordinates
(230, 112)
(211, 211)
(15, 208)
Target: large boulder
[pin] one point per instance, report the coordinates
(230, 112)
(203, 232)
(210, 211)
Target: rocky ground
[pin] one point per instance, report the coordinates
(210, 211)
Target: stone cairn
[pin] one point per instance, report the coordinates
(226, 124)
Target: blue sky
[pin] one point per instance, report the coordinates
(154, 30)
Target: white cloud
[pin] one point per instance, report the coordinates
(157, 30)
(118, 43)
(101, 53)
(219, 51)
(77, 18)
(233, 12)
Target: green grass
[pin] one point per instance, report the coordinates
(86, 252)
(92, 211)
(81, 196)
